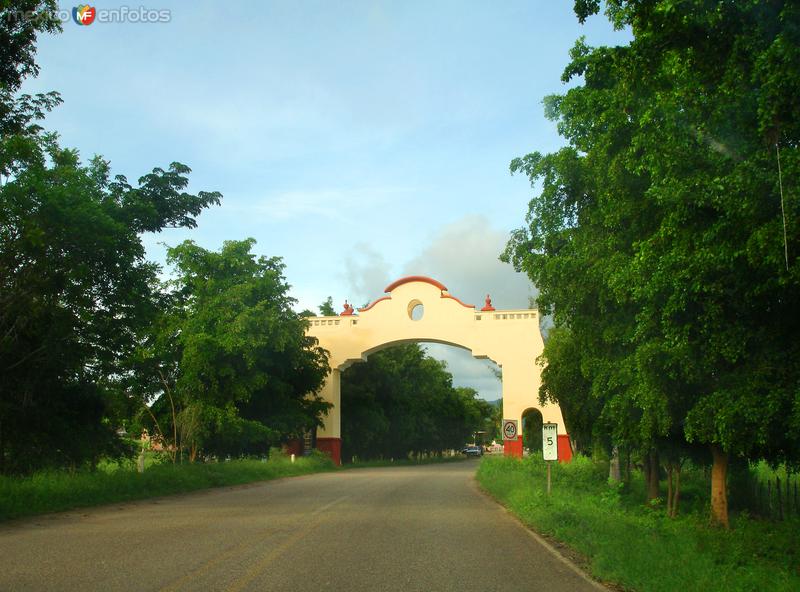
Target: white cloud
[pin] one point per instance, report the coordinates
(464, 257)
(366, 272)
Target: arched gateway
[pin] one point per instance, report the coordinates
(418, 308)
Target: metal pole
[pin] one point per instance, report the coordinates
(548, 477)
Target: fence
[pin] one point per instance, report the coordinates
(776, 498)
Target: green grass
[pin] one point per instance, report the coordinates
(637, 547)
(113, 482)
(56, 491)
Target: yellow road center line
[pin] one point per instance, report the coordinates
(236, 549)
(199, 571)
(277, 551)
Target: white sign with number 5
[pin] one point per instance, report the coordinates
(550, 441)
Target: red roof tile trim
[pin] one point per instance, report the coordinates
(457, 300)
(414, 278)
(371, 304)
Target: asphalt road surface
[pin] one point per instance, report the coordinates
(422, 528)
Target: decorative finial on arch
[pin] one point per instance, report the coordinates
(348, 310)
(488, 307)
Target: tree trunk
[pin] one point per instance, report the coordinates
(651, 475)
(719, 493)
(174, 450)
(627, 468)
(669, 489)
(614, 473)
(676, 496)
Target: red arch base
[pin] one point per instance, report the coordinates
(513, 447)
(332, 447)
(564, 448)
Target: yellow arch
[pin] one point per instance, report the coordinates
(510, 338)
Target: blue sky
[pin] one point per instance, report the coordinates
(360, 141)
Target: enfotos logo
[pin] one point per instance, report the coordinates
(84, 14)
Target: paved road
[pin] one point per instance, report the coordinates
(406, 528)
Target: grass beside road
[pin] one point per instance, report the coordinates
(637, 547)
(56, 491)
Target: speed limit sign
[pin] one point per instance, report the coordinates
(509, 429)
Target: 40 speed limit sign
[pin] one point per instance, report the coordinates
(509, 429)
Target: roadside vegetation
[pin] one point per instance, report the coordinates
(638, 546)
(114, 482)
(664, 240)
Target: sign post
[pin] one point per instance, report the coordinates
(549, 447)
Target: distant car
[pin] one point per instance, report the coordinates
(472, 451)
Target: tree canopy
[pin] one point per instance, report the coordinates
(326, 309)
(20, 23)
(664, 237)
(231, 354)
(75, 293)
(90, 339)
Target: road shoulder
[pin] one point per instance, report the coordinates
(573, 560)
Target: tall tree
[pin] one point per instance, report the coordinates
(75, 289)
(564, 381)
(665, 236)
(233, 353)
(326, 309)
(20, 22)
(75, 293)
